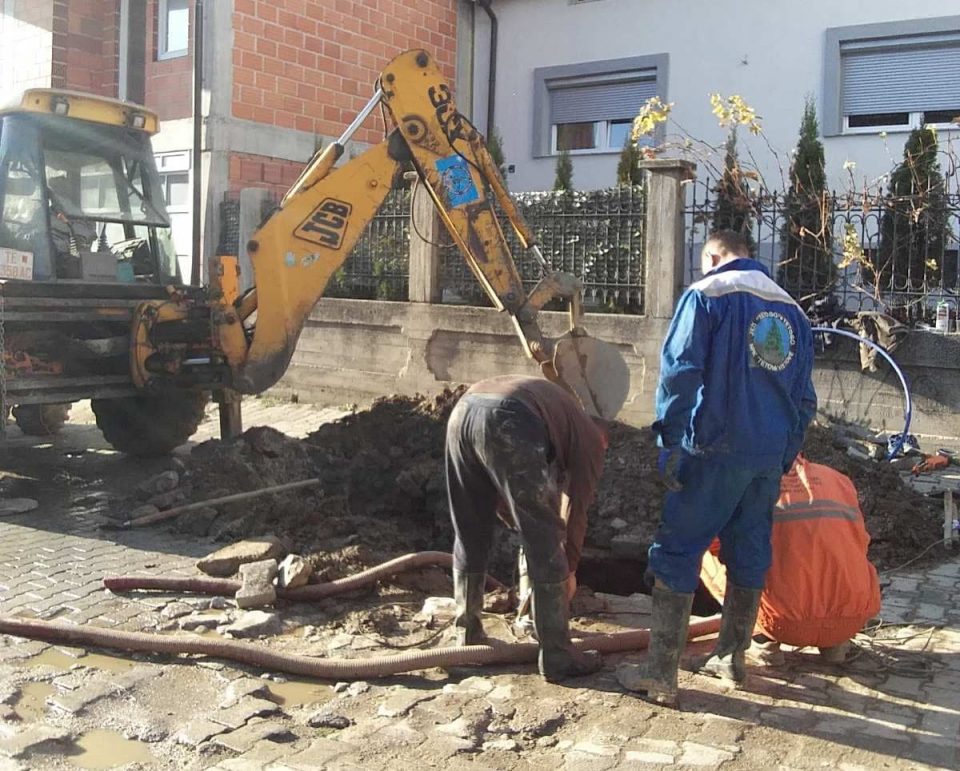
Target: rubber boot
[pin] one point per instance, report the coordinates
(656, 677)
(766, 652)
(468, 594)
(728, 660)
(551, 618)
(837, 654)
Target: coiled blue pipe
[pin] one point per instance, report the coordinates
(903, 380)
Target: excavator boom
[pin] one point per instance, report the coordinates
(310, 234)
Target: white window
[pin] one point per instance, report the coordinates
(893, 76)
(174, 171)
(173, 28)
(589, 108)
(588, 115)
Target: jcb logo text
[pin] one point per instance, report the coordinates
(326, 224)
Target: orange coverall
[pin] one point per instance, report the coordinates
(820, 589)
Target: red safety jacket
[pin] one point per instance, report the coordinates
(820, 588)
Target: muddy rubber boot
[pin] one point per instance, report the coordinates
(837, 654)
(766, 652)
(468, 594)
(728, 660)
(551, 618)
(656, 677)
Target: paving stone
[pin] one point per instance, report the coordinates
(255, 623)
(583, 761)
(198, 731)
(244, 710)
(318, 755)
(225, 562)
(597, 748)
(400, 734)
(399, 704)
(37, 738)
(244, 738)
(899, 685)
(695, 754)
(74, 702)
(294, 571)
(243, 687)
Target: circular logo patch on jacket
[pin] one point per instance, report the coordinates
(772, 341)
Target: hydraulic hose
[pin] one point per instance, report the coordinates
(60, 632)
(896, 368)
(226, 586)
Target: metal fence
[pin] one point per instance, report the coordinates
(898, 255)
(378, 268)
(597, 235)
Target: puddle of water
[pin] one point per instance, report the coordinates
(51, 657)
(296, 693)
(31, 705)
(108, 749)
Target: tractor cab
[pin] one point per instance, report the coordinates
(80, 196)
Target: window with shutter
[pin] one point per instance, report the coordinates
(893, 76)
(589, 107)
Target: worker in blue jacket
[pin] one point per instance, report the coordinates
(733, 403)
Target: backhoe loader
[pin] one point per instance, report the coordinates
(92, 305)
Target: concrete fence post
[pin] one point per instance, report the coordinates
(425, 236)
(252, 200)
(664, 233)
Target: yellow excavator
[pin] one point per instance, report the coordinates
(92, 305)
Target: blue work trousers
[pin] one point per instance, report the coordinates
(718, 498)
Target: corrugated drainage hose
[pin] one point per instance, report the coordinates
(60, 632)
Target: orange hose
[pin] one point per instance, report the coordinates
(61, 632)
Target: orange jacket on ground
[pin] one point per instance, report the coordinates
(820, 588)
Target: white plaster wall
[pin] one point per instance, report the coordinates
(771, 52)
(26, 54)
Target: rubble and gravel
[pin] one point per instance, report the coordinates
(382, 491)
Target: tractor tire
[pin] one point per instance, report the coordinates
(41, 419)
(149, 425)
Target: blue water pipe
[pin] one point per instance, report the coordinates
(896, 368)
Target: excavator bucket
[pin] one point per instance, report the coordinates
(595, 371)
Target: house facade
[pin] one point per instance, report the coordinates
(280, 77)
(572, 73)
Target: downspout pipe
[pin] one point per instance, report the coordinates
(492, 77)
(196, 265)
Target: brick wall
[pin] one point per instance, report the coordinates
(311, 64)
(86, 44)
(168, 83)
(262, 171)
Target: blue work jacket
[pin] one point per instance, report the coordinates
(735, 370)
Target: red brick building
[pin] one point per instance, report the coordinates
(279, 76)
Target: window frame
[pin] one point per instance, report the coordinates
(834, 121)
(544, 132)
(163, 19)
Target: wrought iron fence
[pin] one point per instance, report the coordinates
(898, 255)
(378, 268)
(597, 235)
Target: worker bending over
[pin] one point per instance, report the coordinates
(733, 403)
(524, 449)
(821, 588)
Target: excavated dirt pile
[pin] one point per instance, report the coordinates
(382, 489)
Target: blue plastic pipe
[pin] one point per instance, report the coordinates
(903, 380)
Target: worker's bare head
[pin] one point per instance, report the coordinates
(722, 246)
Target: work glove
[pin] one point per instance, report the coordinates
(668, 464)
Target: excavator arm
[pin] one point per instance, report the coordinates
(310, 234)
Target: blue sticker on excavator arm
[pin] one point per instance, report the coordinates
(457, 183)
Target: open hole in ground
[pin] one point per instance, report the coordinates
(623, 576)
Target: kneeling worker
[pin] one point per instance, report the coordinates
(524, 449)
(821, 588)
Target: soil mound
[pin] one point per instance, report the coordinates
(382, 488)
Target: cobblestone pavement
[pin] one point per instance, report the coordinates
(895, 705)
